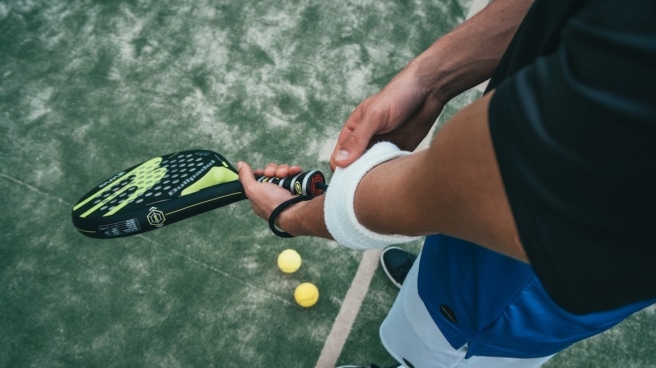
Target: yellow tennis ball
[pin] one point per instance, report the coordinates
(306, 294)
(289, 261)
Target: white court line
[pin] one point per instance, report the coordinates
(476, 6)
(214, 269)
(34, 189)
(341, 328)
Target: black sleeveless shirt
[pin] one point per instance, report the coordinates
(573, 123)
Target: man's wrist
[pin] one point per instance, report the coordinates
(305, 219)
(273, 218)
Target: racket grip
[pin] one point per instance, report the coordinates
(308, 183)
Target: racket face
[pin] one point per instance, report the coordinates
(157, 192)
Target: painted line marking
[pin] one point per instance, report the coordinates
(341, 329)
(34, 189)
(214, 269)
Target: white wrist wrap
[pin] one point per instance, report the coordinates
(339, 212)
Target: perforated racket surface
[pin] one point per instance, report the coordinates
(167, 189)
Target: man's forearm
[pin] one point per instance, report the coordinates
(453, 188)
(468, 55)
(305, 218)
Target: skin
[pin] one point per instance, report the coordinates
(454, 187)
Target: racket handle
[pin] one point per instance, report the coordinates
(308, 183)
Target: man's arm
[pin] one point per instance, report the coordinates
(453, 188)
(469, 54)
(406, 108)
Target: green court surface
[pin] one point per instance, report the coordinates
(89, 87)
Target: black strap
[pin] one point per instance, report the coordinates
(276, 212)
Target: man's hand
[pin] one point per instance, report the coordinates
(402, 113)
(265, 197)
(304, 218)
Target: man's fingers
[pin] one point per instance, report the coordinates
(294, 170)
(279, 170)
(270, 170)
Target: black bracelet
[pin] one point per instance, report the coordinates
(276, 212)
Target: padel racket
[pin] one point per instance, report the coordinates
(170, 188)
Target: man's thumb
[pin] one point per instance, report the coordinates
(347, 151)
(246, 175)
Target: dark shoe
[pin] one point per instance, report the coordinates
(396, 263)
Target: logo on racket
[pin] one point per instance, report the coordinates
(156, 217)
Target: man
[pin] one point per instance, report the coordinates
(550, 167)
